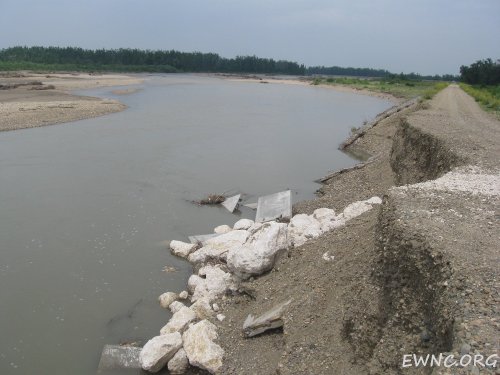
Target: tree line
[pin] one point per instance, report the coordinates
(482, 72)
(126, 59)
(376, 73)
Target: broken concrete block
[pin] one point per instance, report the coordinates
(231, 203)
(115, 357)
(271, 319)
(276, 206)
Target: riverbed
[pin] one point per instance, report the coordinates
(86, 208)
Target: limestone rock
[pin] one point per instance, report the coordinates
(302, 228)
(374, 200)
(159, 350)
(200, 347)
(167, 298)
(182, 249)
(175, 306)
(327, 219)
(355, 209)
(179, 321)
(179, 363)
(183, 295)
(211, 282)
(216, 248)
(243, 224)
(202, 308)
(222, 229)
(220, 317)
(259, 252)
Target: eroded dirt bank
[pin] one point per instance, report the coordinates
(417, 275)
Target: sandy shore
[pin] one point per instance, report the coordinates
(30, 100)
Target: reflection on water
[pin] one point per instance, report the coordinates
(85, 207)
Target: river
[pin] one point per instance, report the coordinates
(87, 207)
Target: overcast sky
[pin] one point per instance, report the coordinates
(424, 36)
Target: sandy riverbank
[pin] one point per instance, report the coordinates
(30, 100)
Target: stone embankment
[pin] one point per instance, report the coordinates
(413, 273)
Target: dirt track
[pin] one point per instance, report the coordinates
(418, 276)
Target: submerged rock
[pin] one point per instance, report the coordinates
(216, 248)
(167, 298)
(182, 249)
(179, 363)
(159, 350)
(303, 227)
(179, 321)
(200, 347)
(259, 252)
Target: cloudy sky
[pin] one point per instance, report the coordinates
(424, 36)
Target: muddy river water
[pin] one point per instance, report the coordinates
(86, 207)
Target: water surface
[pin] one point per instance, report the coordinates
(85, 207)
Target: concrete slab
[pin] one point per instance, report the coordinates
(115, 357)
(274, 206)
(253, 206)
(202, 238)
(231, 203)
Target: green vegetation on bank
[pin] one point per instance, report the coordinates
(375, 73)
(398, 87)
(127, 60)
(487, 96)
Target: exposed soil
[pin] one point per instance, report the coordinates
(417, 275)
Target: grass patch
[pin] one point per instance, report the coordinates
(487, 96)
(399, 88)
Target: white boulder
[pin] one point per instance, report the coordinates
(202, 308)
(200, 347)
(243, 224)
(302, 228)
(175, 306)
(182, 249)
(211, 282)
(179, 363)
(259, 252)
(357, 208)
(179, 321)
(222, 229)
(327, 219)
(167, 298)
(159, 350)
(374, 200)
(183, 295)
(216, 248)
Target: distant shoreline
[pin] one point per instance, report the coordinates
(287, 80)
(29, 100)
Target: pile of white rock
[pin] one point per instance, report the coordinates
(245, 250)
